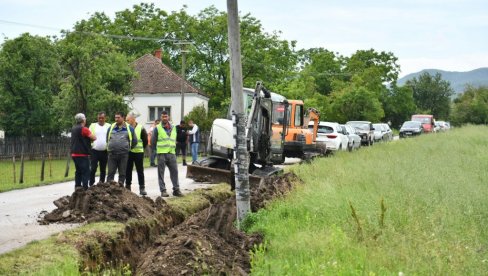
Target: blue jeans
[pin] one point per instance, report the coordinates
(194, 151)
(82, 173)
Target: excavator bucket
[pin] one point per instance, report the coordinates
(218, 171)
(215, 175)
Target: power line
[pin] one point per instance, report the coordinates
(100, 34)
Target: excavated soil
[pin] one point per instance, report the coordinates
(103, 202)
(162, 242)
(208, 242)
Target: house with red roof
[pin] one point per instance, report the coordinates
(157, 87)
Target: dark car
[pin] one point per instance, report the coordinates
(365, 130)
(411, 128)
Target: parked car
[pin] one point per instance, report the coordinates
(443, 126)
(354, 138)
(364, 130)
(331, 134)
(389, 132)
(411, 128)
(379, 132)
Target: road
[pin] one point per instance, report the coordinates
(21, 208)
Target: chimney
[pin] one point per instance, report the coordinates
(158, 53)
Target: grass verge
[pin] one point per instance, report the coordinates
(54, 171)
(416, 206)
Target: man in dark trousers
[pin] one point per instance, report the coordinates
(136, 154)
(99, 153)
(164, 141)
(80, 150)
(181, 141)
(121, 138)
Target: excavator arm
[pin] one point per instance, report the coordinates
(313, 116)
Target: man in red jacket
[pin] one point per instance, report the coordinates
(81, 137)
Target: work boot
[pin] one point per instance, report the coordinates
(127, 187)
(142, 191)
(121, 184)
(184, 162)
(164, 194)
(177, 193)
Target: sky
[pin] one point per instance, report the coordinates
(450, 35)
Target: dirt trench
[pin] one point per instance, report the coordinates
(161, 241)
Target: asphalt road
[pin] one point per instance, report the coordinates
(19, 209)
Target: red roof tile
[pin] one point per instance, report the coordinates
(157, 78)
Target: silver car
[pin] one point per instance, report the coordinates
(354, 138)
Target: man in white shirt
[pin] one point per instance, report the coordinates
(99, 154)
(194, 140)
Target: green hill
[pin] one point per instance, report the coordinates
(458, 80)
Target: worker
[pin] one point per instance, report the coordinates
(194, 138)
(164, 141)
(136, 154)
(99, 153)
(181, 141)
(80, 150)
(121, 139)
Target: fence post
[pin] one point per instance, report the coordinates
(13, 162)
(67, 165)
(21, 177)
(50, 166)
(43, 158)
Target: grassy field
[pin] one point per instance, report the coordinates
(53, 173)
(415, 206)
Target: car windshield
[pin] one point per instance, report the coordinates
(363, 126)
(423, 120)
(411, 124)
(323, 129)
(377, 127)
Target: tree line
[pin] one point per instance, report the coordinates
(44, 81)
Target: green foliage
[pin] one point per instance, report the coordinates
(201, 117)
(471, 107)
(414, 218)
(354, 103)
(398, 104)
(29, 78)
(432, 94)
(96, 78)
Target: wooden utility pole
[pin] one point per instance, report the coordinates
(183, 60)
(241, 155)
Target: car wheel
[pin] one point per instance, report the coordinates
(349, 148)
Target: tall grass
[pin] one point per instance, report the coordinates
(416, 206)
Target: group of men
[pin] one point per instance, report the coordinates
(121, 145)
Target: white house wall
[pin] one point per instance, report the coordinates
(141, 103)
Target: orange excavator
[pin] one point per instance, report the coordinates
(299, 139)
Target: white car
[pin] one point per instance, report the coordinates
(331, 134)
(354, 138)
(382, 132)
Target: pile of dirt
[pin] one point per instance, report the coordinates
(208, 242)
(103, 202)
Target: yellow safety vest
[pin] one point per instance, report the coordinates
(128, 130)
(139, 148)
(166, 144)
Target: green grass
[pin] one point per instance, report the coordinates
(53, 173)
(434, 189)
(56, 255)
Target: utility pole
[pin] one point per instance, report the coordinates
(183, 51)
(241, 155)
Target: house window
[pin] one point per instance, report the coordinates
(155, 112)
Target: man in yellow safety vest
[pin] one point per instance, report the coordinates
(136, 154)
(164, 141)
